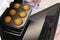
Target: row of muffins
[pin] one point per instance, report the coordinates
(12, 12)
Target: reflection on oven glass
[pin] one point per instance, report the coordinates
(57, 35)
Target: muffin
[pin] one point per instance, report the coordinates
(26, 7)
(22, 14)
(7, 19)
(12, 12)
(18, 21)
(16, 5)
